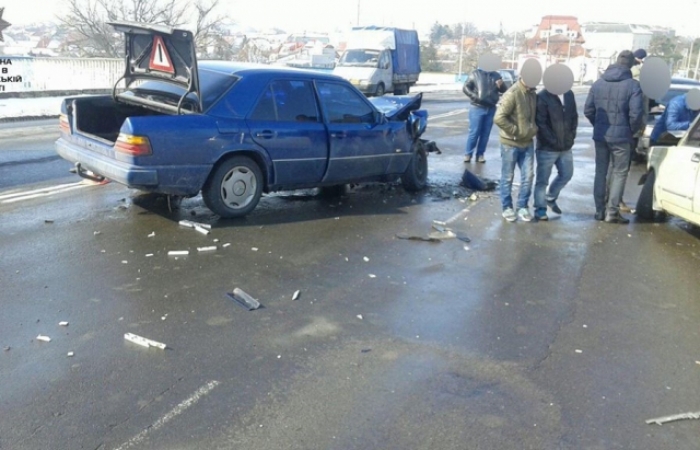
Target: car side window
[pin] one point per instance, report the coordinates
(287, 101)
(343, 105)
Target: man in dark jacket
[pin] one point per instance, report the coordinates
(557, 120)
(483, 89)
(615, 109)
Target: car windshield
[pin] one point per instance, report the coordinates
(212, 85)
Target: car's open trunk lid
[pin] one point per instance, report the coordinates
(160, 53)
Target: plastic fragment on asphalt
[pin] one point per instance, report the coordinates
(41, 337)
(70, 354)
(125, 262)
(359, 316)
(201, 230)
(148, 255)
(178, 252)
(366, 259)
(244, 299)
(144, 342)
(296, 295)
(48, 221)
(152, 234)
(440, 223)
(226, 245)
(206, 249)
(186, 223)
(417, 238)
(371, 275)
(579, 351)
(255, 249)
(662, 420)
(95, 233)
(63, 324)
(447, 234)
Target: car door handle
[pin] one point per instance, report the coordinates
(267, 134)
(696, 157)
(339, 134)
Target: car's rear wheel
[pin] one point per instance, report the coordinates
(234, 188)
(645, 209)
(416, 176)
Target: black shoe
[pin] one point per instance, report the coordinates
(553, 206)
(616, 219)
(600, 215)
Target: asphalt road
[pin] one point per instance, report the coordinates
(567, 334)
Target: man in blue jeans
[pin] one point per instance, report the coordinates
(556, 120)
(515, 117)
(483, 89)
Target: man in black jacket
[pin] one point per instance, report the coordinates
(557, 120)
(483, 89)
(615, 109)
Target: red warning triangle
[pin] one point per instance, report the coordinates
(160, 59)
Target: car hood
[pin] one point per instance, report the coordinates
(156, 52)
(397, 107)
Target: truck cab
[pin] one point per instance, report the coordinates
(368, 69)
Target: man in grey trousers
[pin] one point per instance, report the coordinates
(615, 108)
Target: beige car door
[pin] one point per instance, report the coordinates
(676, 180)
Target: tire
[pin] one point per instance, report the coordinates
(416, 176)
(234, 187)
(645, 203)
(380, 90)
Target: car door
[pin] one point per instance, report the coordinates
(286, 122)
(360, 144)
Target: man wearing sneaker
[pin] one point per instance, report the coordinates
(615, 109)
(556, 120)
(483, 89)
(515, 117)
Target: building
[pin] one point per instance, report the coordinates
(606, 40)
(559, 37)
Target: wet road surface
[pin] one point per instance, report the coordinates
(567, 334)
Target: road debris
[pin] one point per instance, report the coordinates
(366, 259)
(226, 245)
(70, 354)
(95, 233)
(445, 234)
(142, 341)
(255, 249)
(296, 295)
(366, 350)
(244, 299)
(371, 275)
(201, 230)
(662, 420)
(148, 255)
(359, 316)
(48, 221)
(417, 238)
(207, 249)
(41, 337)
(63, 324)
(152, 234)
(8, 348)
(178, 252)
(578, 351)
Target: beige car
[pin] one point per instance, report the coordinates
(672, 181)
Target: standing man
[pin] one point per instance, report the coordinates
(556, 121)
(483, 89)
(515, 117)
(615, 109)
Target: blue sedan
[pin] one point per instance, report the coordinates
(234, 131)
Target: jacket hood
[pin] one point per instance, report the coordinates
(617, 72)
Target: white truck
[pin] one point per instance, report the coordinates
(378, 60)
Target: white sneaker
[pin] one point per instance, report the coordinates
(509, 215)
(524, 214)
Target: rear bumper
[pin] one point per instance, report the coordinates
(118, 171)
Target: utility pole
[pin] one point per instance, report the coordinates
(568, 58)
(461, 51)
(512, 63)
(697, 65)
(690, 56)
(358, 13)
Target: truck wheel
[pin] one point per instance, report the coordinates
(416, 176)
(645, 203)
(234, 187)
(380, 90)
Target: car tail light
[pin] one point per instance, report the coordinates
(133, 145)
(63, 123)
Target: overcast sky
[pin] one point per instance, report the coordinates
(328, 15)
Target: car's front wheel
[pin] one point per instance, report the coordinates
(645, 204)
(234, 188)
(416, 176)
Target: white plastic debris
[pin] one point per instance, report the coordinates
(148, 255)
(178, 252)
(206, 249)
(63, 324)
(366, 259)
(359, 316)
(579, 351)
(226, 245)
(201, 230)
(125, 262)
(255, 249)
(41, 337)
(296, 295)
(662, 420)
(371, 275)
(143, 341)
(186, 223)
(152, 234)
(96, 232)
(244, 299)
(70, 354)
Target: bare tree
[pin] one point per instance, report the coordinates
(88, 19)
